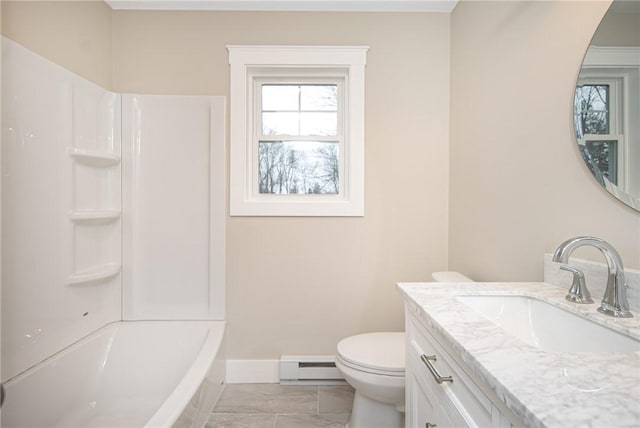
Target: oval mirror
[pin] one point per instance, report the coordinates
(607, 103)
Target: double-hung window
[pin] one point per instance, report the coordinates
(606, 112)
(299, 136)
(297, 130)
(598, 122)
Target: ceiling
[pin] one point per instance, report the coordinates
(289, 5)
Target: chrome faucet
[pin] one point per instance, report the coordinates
(614, 301)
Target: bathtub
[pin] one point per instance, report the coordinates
(126, 374)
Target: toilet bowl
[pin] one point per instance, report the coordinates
(373, 364)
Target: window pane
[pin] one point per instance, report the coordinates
(319, 97)
(318, 123)
(298, 167)
(280, 123)
(603, 155)
(591, 109)
(280, 97)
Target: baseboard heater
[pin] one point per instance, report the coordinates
(310, 370)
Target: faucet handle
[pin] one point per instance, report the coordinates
(578, 293)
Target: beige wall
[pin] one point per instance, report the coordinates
(74, 34)
(518, 184)
(298, 285)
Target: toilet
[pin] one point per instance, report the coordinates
(374, 364)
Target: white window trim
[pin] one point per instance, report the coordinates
(244, 61)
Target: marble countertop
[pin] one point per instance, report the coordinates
(544, 389)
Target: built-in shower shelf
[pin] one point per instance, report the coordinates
(94, 158)
(99, 272)
(94, 216)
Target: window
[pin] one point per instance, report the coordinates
(606, 109)
(299, 137)
(598, 122)
(297, 130)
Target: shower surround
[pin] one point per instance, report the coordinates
(112, 211)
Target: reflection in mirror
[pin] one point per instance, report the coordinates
(607, 103)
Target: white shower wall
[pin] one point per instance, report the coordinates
(60, 208)
(173, 201)
(103, 222)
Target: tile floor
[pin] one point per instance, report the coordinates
(282, 406)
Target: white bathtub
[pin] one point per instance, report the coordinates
(127, 374)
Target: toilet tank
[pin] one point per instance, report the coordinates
(450, 276)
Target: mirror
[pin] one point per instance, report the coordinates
(607, 103)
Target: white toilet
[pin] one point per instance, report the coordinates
(373, 364)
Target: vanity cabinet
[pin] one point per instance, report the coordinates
(444, 395)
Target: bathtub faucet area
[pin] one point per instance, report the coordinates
(614, 301)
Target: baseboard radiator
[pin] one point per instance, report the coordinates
(309, 370)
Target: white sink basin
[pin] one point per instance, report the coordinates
(548, 327)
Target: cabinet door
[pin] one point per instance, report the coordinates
(426, 409)
(423, 406)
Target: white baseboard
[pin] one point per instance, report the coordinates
(253, 371)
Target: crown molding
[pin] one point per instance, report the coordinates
(444, 6)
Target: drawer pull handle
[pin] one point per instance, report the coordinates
(426, 359)
(430, 425)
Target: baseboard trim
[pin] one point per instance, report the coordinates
(253, 371)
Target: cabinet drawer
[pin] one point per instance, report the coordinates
(463, 402)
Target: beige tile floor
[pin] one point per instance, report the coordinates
(282, 406)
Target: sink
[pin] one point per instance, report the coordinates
(548, 327)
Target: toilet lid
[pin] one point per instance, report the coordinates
(377, 351)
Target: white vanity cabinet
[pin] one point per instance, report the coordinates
(457, 401)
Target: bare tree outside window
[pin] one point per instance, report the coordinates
(298, 167)
(592, 117)
(591, 109)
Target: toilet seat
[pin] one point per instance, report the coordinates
(376, 353)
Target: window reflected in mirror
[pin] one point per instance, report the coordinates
(606, 106)
(598, 137)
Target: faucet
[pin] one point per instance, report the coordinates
(614, 301)
(578, 293)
